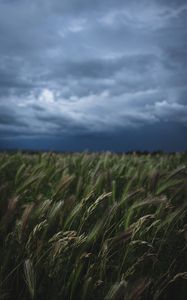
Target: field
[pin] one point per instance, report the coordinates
(93, 226)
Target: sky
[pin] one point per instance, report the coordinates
(93, 75)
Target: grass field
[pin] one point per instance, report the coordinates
(93, 226)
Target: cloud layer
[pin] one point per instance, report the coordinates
(91, 67)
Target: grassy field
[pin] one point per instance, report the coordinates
(93, 226)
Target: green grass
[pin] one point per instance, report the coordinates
(93, 226)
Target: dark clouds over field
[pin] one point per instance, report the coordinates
(79, 74)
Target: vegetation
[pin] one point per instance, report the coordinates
(93, 226)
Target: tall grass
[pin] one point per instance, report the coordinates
(93, 226)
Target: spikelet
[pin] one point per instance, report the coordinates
(30, 278)
(117, 292)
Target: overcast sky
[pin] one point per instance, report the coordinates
(97, 75)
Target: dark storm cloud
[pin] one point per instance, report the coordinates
(174, 3)
(6, 118)
(105, 68)
(92, 66)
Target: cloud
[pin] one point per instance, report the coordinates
(50, 115)
(171, 111)
(91, 66)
